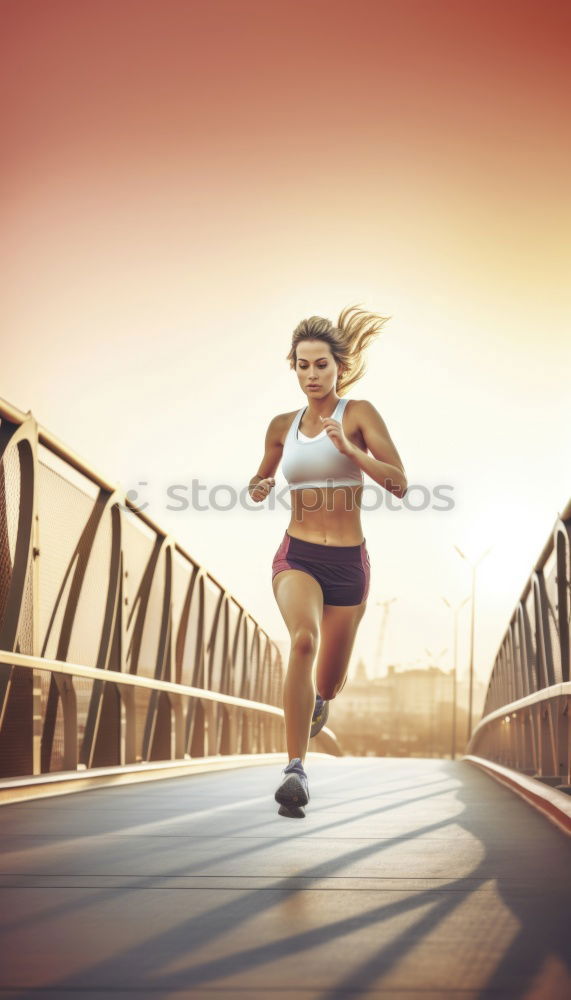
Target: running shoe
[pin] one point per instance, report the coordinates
(296, 812)
(320, 715)
(293, 792)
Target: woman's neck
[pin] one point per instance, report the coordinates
(325, 407)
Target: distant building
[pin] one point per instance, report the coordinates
(406, 713)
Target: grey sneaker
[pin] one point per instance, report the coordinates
(296, 812)
(320, 715)
(293, 791)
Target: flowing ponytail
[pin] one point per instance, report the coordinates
(355, 329)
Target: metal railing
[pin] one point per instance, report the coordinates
(525, 721)
(116, 647)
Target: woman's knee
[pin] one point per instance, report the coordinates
(305, 640)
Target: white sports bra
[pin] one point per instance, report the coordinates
(315, 461)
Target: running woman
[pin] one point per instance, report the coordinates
(321, 570)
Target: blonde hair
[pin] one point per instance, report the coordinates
(355, 329)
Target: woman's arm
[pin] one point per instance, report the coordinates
(385, 467)
(273, 449)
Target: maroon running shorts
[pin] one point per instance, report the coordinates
(343, 571)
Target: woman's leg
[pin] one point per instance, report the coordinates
(338, 630)
(300, 600)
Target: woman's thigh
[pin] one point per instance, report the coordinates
(300, 599)
(339, 626)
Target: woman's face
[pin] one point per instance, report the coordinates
(316, 368)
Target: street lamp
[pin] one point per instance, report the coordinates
(471, 686)
(455, 612)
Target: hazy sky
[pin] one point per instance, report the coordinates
(183, 182)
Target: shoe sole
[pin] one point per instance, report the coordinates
(294, 812)
(291, 793)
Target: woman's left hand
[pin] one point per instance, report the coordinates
(337, 435)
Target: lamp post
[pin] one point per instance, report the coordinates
(471, 682)
(455, 612)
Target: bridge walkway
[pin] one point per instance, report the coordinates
(417, 879)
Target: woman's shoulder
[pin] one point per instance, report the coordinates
(358, 406)
(281, 423)
(355, 406)
(360, 413)
(284, 419)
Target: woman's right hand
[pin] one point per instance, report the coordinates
(261, 490)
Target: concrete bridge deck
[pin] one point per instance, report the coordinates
(408, 878)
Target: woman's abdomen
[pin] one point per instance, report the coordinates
(329, 515)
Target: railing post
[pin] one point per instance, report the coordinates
(526, 764)
(128, 726)
(210, 727)
(232, 731)
(178, 747)
(247, 743)
(563, 740)
(548, 768)
(36, 637)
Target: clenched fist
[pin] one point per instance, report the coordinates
(261, 490)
